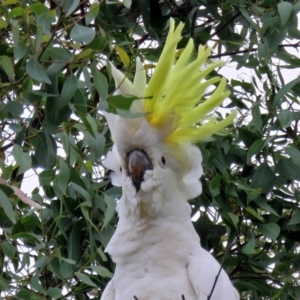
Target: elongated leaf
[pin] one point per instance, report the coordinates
(68, 90)
(8, 249)
(7, 206)
(294, 154)
(74, 241)
(46, 150)
(110, 209)
(123, 56)
(255, 148)
(270, 230)
(74, 5)
(285, 9)
(85, 279)
(101, 85)
(35, 71)
(64, 175)
(127, 3)
(92, 14)
(82, 192)
(82, 34)
(7, 67)
(285, 118)
(103, 272)
(264, 178)
(22, 158)
(285, 89)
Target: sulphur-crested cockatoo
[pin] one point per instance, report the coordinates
(155, 247)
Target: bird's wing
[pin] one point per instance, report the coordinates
(202, 271)
(109, 291)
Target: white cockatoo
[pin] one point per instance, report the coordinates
(155, 247)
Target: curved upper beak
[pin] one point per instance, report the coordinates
(138, 162)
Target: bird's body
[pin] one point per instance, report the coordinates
(160, 259)
(155, 247)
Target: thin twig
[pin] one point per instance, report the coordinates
(218, 275)
(296, 45)
(21, 195)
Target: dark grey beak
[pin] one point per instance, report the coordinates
(138, 162)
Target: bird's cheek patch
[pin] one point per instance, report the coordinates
(151, 181)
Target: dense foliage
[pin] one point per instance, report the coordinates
(54, 79)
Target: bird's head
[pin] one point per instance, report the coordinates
(173, 114)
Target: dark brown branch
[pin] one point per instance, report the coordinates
(225, 25)
(296, 45)
(220, 270)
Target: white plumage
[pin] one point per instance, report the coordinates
(155, 247)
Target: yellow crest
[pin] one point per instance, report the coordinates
(176, 89)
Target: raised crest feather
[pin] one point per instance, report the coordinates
(175, 94)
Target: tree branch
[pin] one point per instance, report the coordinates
(21, 195)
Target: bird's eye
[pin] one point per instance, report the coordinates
(163, 160)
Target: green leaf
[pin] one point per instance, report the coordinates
(82, 34)
(73, 6)
(85, 279)
(35, 71)
(45, 153)
(80, 102)
(110, 209)
(3, 24)
(8, 2)
(295, 217)
(96, 144)
(39, 8)
(12, 110)
(127, 3)
(270, 230)
(285, 89)
(29, 222)
(82, 192)
(248, 18)
(263, 204)
(54, 293)
(8, 249)
(255, 148)
(254, 213)
(263, 53)
(215, 185)
(7, 67)
(46, 177)
(28, 294)
(256, 121)
(64, 175)
(20, 50)
(294, 154)
(101, 85)
(264, 178)
(234, 218)
(249, 247)
(285, 118)
(7, 207)
(22, 158)
(74, 242)
(16, 12)
(68, 90)
(287, 168)
(59, 54)
(35, 283)
(103, 272)
(121, 102)
(92, 14)
(285, 9)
